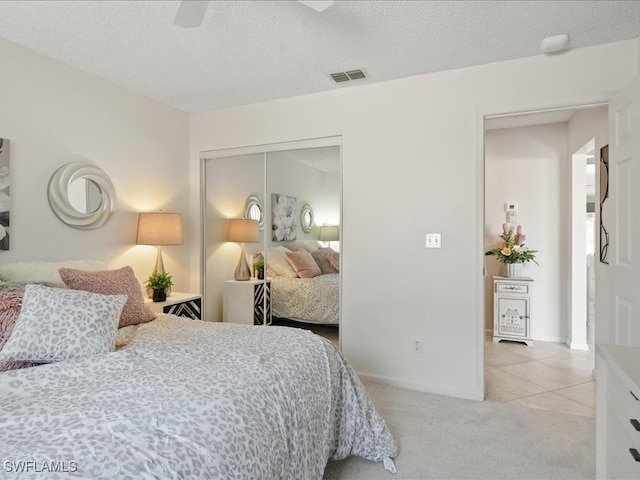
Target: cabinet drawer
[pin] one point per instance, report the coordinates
(190, 309)
(512, 288)
(623, 397)
(619, 457)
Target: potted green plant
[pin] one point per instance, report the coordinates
(258, 267)
(160, 283)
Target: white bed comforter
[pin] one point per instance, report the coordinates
(312, 300)
(185, 399)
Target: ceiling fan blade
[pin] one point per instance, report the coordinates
(317, 5)
(191, 13)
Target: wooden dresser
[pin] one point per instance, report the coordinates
(618, 412)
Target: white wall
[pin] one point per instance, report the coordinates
(412, 161)
(54, 114)
(526, 166)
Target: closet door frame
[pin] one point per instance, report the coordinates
(207, 155)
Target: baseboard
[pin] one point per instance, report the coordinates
(579, 346)
(449, 392)
(542, 338)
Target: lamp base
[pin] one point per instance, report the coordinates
(159, 268)
(242, 273)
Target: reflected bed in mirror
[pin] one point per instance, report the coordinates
(81, 195)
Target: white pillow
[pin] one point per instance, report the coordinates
(57, 324)
(45, 272)
(277, 262)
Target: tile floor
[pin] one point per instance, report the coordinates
(547, 376)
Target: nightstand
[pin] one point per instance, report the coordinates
(512, 309)
(247, 302)
(181, 304)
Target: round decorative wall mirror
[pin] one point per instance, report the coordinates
(254, 210)
(81, 195)
(306, 218)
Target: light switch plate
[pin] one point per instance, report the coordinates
(433, 240)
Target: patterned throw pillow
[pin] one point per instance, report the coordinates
(334, 260)
(303, 263)
(10, 304)
(112, 282)
(321, 258)
(57, 324)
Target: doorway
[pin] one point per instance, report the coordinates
(528, 162)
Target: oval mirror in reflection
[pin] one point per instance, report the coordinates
(253, 210)
(306, 218)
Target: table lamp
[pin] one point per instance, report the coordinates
(159, 229)
(243, 230)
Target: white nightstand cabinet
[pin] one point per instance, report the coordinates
(512, 309)
(181, 304)
(247, 302)
(617, 411)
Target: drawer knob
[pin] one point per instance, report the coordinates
(636, 424)
(635, 454)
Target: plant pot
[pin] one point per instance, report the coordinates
(159, 295)
(260, 274)
(514, 270)
(151, 290)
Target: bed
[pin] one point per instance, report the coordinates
(181, 398)
(305, 285)
(310, 300)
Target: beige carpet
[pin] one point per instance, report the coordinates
(448, 438)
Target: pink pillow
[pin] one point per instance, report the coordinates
(112, 282)
(10, 304)
(334, 260)
(303, 263)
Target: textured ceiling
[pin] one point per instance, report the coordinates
(251, 51)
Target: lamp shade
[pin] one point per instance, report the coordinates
(159, 228)
(243, 230)
(329, 233)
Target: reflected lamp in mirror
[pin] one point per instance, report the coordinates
(243, 230)
(329, 233)
(159, 229)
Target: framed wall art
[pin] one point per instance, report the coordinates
(604, 194)
(283, 223)
(5, 194)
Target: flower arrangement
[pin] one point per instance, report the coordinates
(513, 249)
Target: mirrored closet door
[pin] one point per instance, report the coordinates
(281, 205)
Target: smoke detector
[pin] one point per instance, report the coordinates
(555, 44)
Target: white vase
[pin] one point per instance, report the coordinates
(514, 270)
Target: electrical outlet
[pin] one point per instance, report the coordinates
(416, 345)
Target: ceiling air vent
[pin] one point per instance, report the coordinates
(339, 77)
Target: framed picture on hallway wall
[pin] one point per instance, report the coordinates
(604, 194)
(5, 194)
(283, 218)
